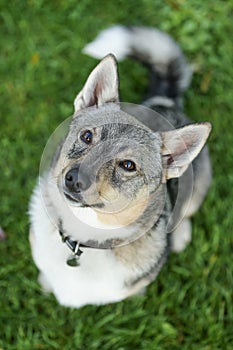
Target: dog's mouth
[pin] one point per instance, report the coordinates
(71, 198)
(75, 200)
(78, 201)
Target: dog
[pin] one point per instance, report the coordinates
(124, 181)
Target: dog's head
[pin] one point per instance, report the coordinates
(111, 162)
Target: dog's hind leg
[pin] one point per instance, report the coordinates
(181, 236)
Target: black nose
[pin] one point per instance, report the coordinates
(76, 181)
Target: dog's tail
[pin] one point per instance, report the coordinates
(170, 74)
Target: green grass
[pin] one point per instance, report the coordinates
(42, 68)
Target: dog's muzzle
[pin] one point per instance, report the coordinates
(75, 184)
(75, 181)
(79, 185)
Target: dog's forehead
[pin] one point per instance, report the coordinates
(112, 121)
(118, 133)
(107, 114)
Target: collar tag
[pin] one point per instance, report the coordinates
(74, 259)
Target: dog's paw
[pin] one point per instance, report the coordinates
(182, 236)
(44, 283)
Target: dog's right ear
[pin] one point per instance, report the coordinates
(181, 146)
(102, 85)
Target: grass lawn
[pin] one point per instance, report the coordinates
(190, 305)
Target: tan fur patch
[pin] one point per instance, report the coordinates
(107, 193)
(130, 211)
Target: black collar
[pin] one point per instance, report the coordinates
(74, 246)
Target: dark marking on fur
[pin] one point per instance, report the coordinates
(75, 152)
(98, 205)
(104, 133)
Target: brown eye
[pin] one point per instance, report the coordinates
(128, 165)
(86, 136)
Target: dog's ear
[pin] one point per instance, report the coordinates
(181, 146)
(101, 86)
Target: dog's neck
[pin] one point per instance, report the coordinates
(75, 245)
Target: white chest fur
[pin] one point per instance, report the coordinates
(99, 279)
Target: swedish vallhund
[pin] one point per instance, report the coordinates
(124, 180)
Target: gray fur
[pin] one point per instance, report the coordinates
(155, 192)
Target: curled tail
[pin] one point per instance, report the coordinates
(170, 74)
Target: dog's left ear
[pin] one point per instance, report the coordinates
(101, 86)
(181, 146)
